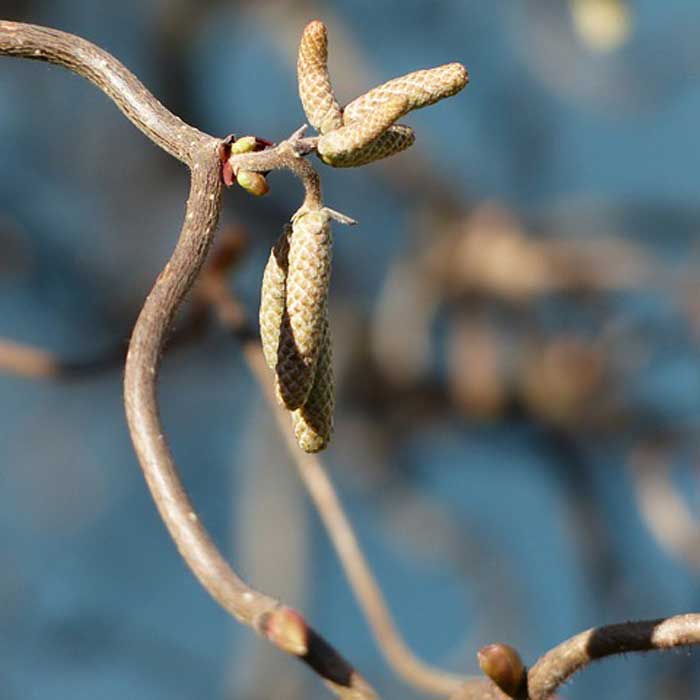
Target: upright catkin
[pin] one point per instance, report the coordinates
(421, 88)
(320, 106)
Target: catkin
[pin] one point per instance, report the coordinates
(272, 297)
(320, 106)
(313, 422)
(421, 88)
(395, 139)
(309, 390)
(308, 277)
(342, 146)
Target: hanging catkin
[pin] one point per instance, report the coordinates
(272, 297)
(308, 277)
(313, 418)
(313, 422)
(294, 302)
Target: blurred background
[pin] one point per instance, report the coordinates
(516, 323)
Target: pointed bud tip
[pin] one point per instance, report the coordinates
(503, 665)
(287, 630)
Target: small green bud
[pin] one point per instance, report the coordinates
(245, 144)
(253, 183)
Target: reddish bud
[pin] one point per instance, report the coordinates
(286, 629)
(503, 665)
(227, 174)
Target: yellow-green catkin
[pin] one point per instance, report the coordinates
(308, 278)
(313, 422)
(320, 106)
(272, 298)
(421, 88)
(349, 145)
(397, 138)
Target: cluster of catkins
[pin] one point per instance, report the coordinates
(294, 305)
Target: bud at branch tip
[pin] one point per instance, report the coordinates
(503, 665)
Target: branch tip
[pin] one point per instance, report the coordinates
(286, 629)
(503, 665)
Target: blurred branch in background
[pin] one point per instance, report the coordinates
(490, 320)
(664, 510)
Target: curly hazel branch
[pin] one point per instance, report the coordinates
(212, 160)
(281, 625)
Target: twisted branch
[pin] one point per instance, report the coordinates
(119, 84)
(281, 625)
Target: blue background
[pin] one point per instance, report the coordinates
(478, 531)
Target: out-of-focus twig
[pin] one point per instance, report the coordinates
(27, 361)
(560, 663)
(664, 511)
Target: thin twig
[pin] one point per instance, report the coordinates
(665, 512)
(27, 361)
(311, 470)
(287, 155)
(281, 625)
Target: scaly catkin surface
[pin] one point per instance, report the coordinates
(343, 145)
(308, 277)
(313, 422)
(320, 106)
(395, 139)
(421, 88)
(272, 297)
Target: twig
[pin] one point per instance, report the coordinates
(30, 362)
(281, 625)
(560, 663)
(311, 470)
(563, 661)
(101, 68)
(287, 155)
(662, 507)
(26, 361)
